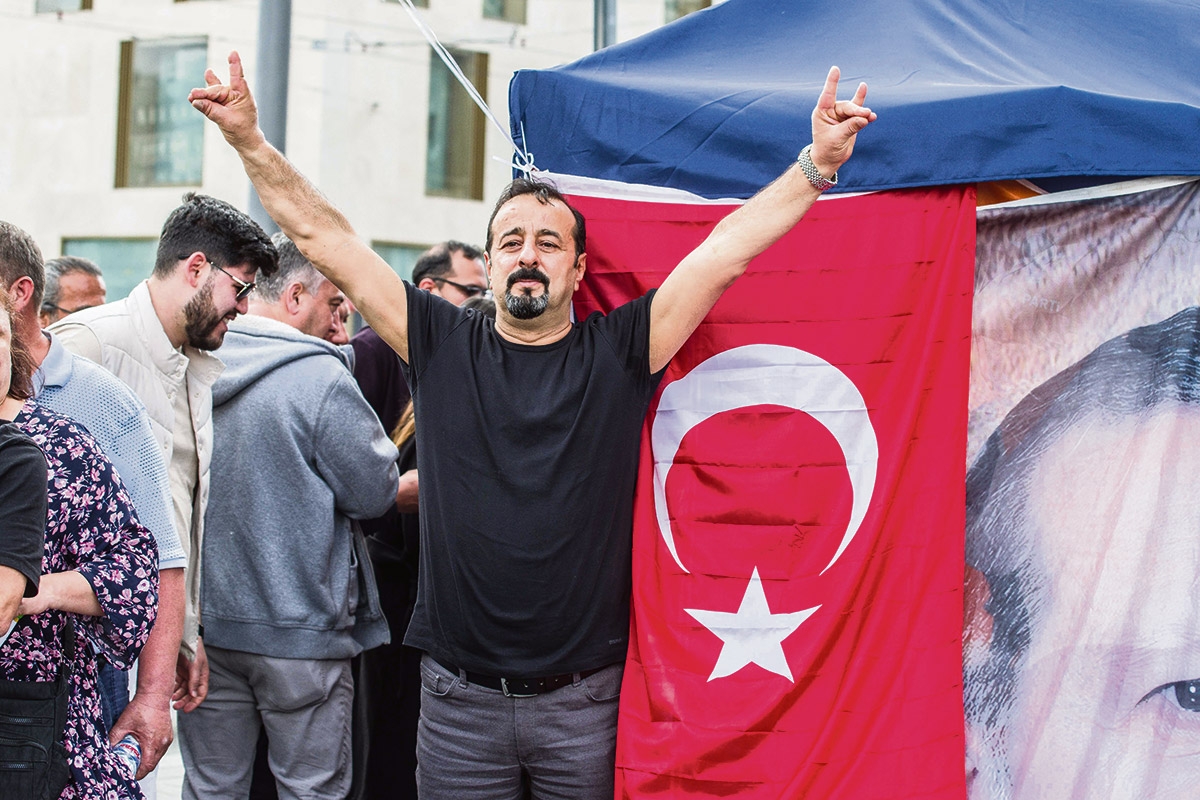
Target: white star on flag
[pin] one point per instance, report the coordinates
(752, 635)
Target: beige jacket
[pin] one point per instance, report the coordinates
(127, 339)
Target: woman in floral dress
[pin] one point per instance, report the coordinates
(100, 573)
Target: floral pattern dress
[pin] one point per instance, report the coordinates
(91, 528)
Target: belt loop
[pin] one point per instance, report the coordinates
(462, 677)
(577, 679)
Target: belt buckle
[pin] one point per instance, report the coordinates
(507, 693)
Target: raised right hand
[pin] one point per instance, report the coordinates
(230, 105)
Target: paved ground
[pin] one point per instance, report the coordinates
(170, 772)
(170, 775)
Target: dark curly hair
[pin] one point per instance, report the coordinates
(213, 227)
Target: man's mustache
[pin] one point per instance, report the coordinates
(527, 274)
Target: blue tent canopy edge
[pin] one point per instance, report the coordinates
(718, 103)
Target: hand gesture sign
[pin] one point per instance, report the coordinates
(836, 123)
(230, 106)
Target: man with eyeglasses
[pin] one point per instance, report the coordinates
(451, 270)
(157, 340)
(72, 284)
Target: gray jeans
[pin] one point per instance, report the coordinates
(303, 703)
(474, 743)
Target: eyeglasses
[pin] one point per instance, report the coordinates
(243, 287)
(48, 307)
(469, 291)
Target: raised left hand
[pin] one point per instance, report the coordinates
(836, 123)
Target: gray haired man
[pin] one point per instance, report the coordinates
(72, 284)
(287, 590)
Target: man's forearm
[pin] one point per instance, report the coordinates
(319, 230)
(695, 285)
(326, 238)
(298, 207)
(156, 665)
(763, 219)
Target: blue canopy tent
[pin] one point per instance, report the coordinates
(1060, 94)
(966, 90)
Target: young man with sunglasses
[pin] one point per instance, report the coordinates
(157, 341)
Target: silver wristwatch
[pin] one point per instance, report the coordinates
(819, 181)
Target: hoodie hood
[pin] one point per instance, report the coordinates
(256, 346)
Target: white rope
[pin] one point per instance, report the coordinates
(522, 159)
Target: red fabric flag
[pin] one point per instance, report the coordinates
(798, 541)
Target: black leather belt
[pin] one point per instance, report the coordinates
(518, 687)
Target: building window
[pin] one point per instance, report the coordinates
(160, 138)
(454, 157)
(59, 6)
(681, 8)
(124, 262)
(507, 10)
(400, 257)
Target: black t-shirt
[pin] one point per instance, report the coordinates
(528, 458)
(22, 505)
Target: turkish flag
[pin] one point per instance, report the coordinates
(798, 535)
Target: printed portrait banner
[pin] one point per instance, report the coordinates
(1082, 638)
(797, 557)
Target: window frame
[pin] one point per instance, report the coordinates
(123, 163)
(457, 99)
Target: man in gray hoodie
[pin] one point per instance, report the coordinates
(288, 595)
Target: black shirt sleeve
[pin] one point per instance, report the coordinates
(22, 505)
(627, 330)
(430, 320)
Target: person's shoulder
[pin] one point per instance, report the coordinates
(65, 437)
(90, 379)
(101, 317)
(18, 448)
(630, 308)
(367, 337)
(86, 333)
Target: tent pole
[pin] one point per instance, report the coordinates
(605, 32)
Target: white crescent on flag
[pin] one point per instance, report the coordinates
(765, 374)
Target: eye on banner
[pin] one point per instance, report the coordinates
(798, 535)
(1082, 656)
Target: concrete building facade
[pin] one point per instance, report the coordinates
(98, 143)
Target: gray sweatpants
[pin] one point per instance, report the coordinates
(305, 706)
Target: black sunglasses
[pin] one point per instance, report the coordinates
(469, 291)
(243, 287)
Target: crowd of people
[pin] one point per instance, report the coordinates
(210, 481)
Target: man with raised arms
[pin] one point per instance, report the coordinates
(528, 452)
